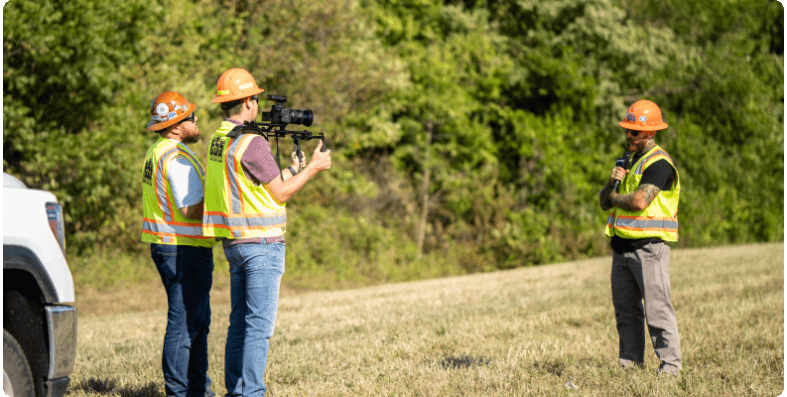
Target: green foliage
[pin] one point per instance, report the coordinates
(66, 110)
(503, 113)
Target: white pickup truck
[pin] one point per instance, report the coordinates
(39, 323)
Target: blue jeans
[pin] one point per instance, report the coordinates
(187, 274)
(255, 277)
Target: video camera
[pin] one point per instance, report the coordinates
(279, 117)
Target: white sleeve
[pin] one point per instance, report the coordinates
(185, 182)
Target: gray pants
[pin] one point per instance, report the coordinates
(644, 275)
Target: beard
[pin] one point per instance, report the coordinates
(193, 136)
(640, 142)
(192, 139)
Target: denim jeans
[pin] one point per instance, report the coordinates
(255, 277)
(187, 274)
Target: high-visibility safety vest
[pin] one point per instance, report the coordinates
(163, 222)
(660, 218)
(236, 206)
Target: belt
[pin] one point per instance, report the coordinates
(255, 240)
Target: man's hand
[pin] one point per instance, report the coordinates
(320, 160)
(618, 173)
(283, 191)
(605, 196)
(298, 165)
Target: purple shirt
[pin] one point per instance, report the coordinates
(258, 162)
(260, 167)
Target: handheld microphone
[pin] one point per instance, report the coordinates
(622, 162)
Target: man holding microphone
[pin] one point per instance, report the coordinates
(642, 224)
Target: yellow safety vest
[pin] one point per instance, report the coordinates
(163, 222)
(235, 206)
(660, 218)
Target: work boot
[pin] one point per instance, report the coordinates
(668, 369)
(628, 365)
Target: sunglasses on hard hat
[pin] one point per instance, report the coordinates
(255, 99)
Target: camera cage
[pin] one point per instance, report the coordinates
(275, 130)
(281, 115)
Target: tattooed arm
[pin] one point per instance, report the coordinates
(604, 197)
(636, 201)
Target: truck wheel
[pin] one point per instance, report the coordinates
(17, 377)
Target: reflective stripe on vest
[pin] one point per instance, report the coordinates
(635, 223)
(173, 228)
(232, 175)
(162, 190)
(261, 222)
(653, 156)
(235, 206)
(660, 218)
(163, 223)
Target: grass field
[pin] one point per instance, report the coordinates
(521, 332)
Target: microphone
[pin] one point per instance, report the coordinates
(622, 162)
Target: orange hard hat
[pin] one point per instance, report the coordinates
(234, 84)
(644, 115)
(167, 109)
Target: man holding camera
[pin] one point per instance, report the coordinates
(245, 195)
(644, 220)
(173, 204)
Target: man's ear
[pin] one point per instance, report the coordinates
(173, 129)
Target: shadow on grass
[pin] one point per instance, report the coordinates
(459, 362)
(109, 387)
(554, 367)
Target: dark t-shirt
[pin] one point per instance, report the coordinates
(661, 175)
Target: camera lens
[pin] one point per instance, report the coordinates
(304, 117)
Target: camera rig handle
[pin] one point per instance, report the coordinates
(296, 141)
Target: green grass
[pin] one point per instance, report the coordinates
(509, 333)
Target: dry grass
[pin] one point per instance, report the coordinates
(533, 331)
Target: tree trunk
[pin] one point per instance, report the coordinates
(425, 192)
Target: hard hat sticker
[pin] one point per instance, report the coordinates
(162, 109)
(243, 87)
(172, 115)
(643, 118)
(630, 117)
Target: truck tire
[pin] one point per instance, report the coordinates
(16, 370)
